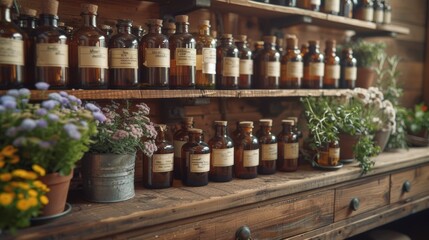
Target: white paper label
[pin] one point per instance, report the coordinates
(157, 57)
(269, 152)
(199, 163)
(315, 2)
(332, 5)
(162, 162)
(290, 150)
(123, 58)
(332, 71)
(209, 60)
(317, 69)
(334, 153)
(350, 73)
(11, 51)
(251, 158)
(231, 67)
(378, 16)
(52, 55)
(273, 69)
(178, 148)
(186, 57)
(223, 157)
(92, 57)
(246, 66)
(294, 70)
(368, 14)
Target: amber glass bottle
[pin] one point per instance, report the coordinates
(228, 64)
(288, 148)
(348, 69)
(246, 63)
(181, 137)
(292, 67)
(27, 21)
(195, 160)
(236, 133)
(331, 7)
(154, 57)
(329, 155)
(168, 29)
(347, 8)
(378, 11)
(313, 67)
(89, 53)
(158, 169)
(258, 46)
(267, 65)
(312, 5)
(268, 147)
(183, 56)
(364, 10)
(222, 154)
(206, 58)
(331, 77)
(12, 51)
(123, 57)
(304, 50)
(280, 46)
(246, 152)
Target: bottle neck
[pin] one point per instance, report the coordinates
(187, 126)
(182, 27)
(266, 130)
(269, 45)
(313, 48)
(330, 51)
(154, 29)
(160, 137)
(226, 41)
(287, 128)
(204, 30)
(48, 20)
(247, 131)
(221, 131)
(89, 20)
(27, 22)
(240, 44)
(5, 14)
(124, 29)
(195, 137)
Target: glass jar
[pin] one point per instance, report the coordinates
(195, 160)
(123, 57)
(222, 154)
(181, 137)
(292, 67)
(329, 154)
(158, 169)
(267, 65)
(228, 64)
(331, 77)
(313, 5)
(206, 58)
(246, 152)
(246, 63)
(268, 147)
(378, 11)
(332, 7)
(364, 11)
(347, 8)
(288, 147)
(314, 67)
(387, 12)
(348, 69)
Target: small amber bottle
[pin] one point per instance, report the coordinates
(158, 169)
(89, 53)
(348, 69)
(168, 29)
(154, 57)
(183, 57)
(288, 148)
(181, 137)
(236, 133)
(331, 77)
(206, 58)
(246, 152)
(329, 155)
(123, 57)
(27, 21)
(313, 67)
(12, 50)
(331, 7)
(347, 8)
(222, 154)
(313, 5)
(228, 64)
(268, 147)
(195, 160)
(267, 65)
(365, 11)
(292, 68)
(245, 80)
(258, 46)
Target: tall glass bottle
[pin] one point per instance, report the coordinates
(267, 65)
(228, 64)
(313, 67)
(313, 5)
(331, 77)
(27, 21)
(292, 68)
(348, 69)
(206, 58)
(288, 151)
(12, 50)
(346, 8)
(158, 169)
(246, 63)
(181, 137)
(378, 11)
(222, 154)
(89, 53)
(331, 7)
(268, 147)
(168, 29)
(195, 160)
(154, 57)
(183, 56)
(246, 152)
(123, 57)
(258, 46)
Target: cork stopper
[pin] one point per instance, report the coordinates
(294, 119)
(330, 43)
(50, 7)
(292, 42)
(226, 35)
(259, 44)
(241, 38)
(313, 43)
(221, 123)
(195, 130)
(161, 127)
(288, 121)
(182, 18)
(169, 25)
(6, 3)
(188, 120)
(28, 12)
(270, 39)
(204, 23)
(246, 124)
(89, 8)
(266, 122)
(157, 22)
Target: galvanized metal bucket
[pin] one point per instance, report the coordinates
(108, 177)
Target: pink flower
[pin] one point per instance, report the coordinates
(120, 134)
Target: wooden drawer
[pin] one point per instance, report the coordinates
(361, 197)
(408, 184)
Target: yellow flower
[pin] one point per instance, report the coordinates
(1, 163)
(20, 196)
(32, 201)
(32, 193)
(8, 151)
(38, 169)
(44, 200)
(15, 159)
(23, 205)
(5, 177)
(6, 198)
(24, 174)
(41, 186)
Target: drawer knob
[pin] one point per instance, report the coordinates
(406, 187)
(354, 204)
(243, 233)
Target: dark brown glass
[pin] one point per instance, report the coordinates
(332, 6)
(291, 65)
(206, 58)
(258, 46)
(268, 148)
(222, 154)
(181, 137)
(236, 133)
(28, 24)
(158, 169)
(313, 5)
(182, 76)
(245, 80)
(348, 69)
(245, 144)
(304, 50)
(153, 74)
(267, 65)
(195, 145)
(347, 8)
(280, 46)
(287, 138)
(123, 57)
(12, 74)
(329, 154)
(313, 59)
(331, 78)
(227, 64)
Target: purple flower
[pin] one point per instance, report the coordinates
(84, 123)
(72, 131)
(25, 100)
(91, 107)
(42, 86)
(9, 104)
(64, 101)
(53, 117)
(41, 112)
(55, 96)
(44, 144)
(13, 93)
(63, 94)
(49, 104)
(99, 116)
(11, 132)
(24, 92)
(7, 98)
(2, 109)
(72, 99)
(41, 123)
(28, 124)
(19, 141)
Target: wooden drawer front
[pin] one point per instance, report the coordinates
(408, 184)
(369, 194)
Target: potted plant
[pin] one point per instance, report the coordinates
(108, 168)
(417, 125)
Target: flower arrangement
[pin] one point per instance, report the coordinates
(124, 130)
(417, 120)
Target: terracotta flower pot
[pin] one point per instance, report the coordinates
(365, 77)
(59, 187)
(347, 143)
(381, 138)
